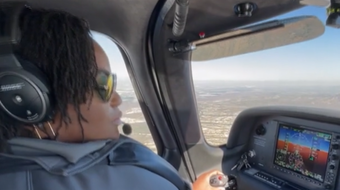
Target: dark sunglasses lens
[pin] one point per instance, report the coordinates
(107, 84)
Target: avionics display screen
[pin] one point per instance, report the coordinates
(303, 151)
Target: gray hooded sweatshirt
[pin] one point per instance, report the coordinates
(34, 164)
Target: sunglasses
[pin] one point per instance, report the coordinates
(107, 83)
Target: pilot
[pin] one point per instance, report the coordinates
(86, 115)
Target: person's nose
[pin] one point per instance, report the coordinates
(116, 100)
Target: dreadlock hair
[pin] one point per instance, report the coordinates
(61, 45)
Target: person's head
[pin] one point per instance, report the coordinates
(61, 45)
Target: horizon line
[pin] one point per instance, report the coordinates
(228, 80)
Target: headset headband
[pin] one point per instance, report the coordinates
(9, 25)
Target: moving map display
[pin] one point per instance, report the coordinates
(303, 151)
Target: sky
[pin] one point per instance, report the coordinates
(314, 60)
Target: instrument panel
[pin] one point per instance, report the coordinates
(295, 154)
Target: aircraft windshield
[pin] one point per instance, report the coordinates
(305, 73)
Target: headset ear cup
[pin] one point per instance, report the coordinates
(25, 96)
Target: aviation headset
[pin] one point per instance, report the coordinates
(25, 93)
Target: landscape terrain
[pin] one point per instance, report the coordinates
(219, 103)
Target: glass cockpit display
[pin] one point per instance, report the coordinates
(303, 151)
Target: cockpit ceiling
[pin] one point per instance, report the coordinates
(127, 20)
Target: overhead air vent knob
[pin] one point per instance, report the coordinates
(260, 130)
(245, 9)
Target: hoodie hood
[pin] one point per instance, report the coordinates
(58, 157)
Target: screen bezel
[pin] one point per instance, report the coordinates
(282, 124)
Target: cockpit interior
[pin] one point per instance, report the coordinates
(269, 147)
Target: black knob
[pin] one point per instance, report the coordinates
(335, 146)
(334, 157)
(331, 167)
(260, 130)
(328, 186)
(245, 9)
